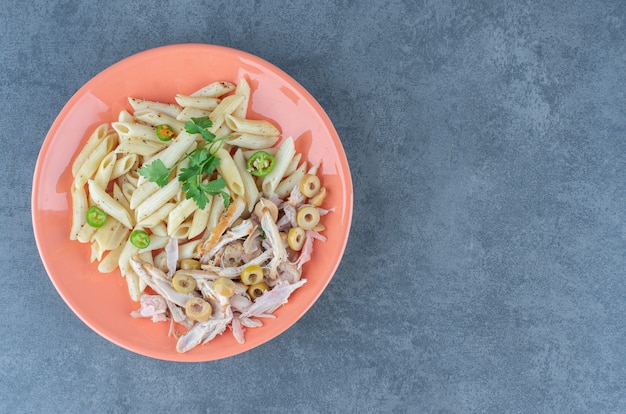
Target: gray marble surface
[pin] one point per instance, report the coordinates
(485, 270)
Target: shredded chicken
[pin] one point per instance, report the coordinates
(152, 306)
(171, 250)
(226, 252)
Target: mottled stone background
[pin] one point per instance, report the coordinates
(485, 270)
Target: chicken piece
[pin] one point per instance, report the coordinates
(288, 219)
(198, 274)
(235, 272)
(232, 254)
(288, 272)
(249, 322)
(278, 247)
(240, 302)
(238, 331)
(296, 198)
(203, 332)
(238, 232)
(252, 246)
(151, 306)
(234, 211)
(171, 253)
(307, 249)
(158, 281)
(272, 300)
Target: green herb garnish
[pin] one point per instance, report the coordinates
(202, 163)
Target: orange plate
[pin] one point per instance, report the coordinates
(101, 300)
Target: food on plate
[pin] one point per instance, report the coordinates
(206, 213)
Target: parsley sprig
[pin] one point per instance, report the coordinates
(202, 163)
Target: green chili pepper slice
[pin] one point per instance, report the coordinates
(96, 216)
(165, 132)
(140, 239)
(261, 163)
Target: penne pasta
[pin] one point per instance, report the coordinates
(251, 126)
(111, 235)
(138, 146)
(160, 229)
(177, 148)
(226, 107)
(293, 165)
(188, 112)
(119, 196)
(89, 167)
(251, 141)
(142, 192)
(156, 243)
(160, 260)
(79, 210)
(188, 250)
(123, 165)
(126, 254)
(228, 170)
(125, 116)
(222, 131)
(96, 253)
(200, 220)
(134, 284)
(92, 142)
(181, 231)
(242, 89)
(217, 208)
(207, 103)
(127, 190)
(215, 89)
(158, 217)
(108, 204)
(284, 155)
(314, 168)
(157, 200)
(86, 233)
(283, 189)
(251, 192)
(110, 262)
(179, 214)
(155, 118)
(134, 129)
(165, 108)
(105, 170)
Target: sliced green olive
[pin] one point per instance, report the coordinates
(266, 205)
(252, 274)
(198, 309)
(310, 185)
(224, 286)
(258, 289)
(308, 217)
(190, 264)
(183, 283)
(296, 238)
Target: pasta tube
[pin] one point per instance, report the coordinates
(215, 89)
(108, 204)
(252, 126)
(283, 157)
(228, 170)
